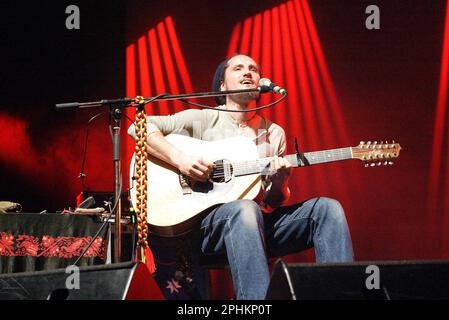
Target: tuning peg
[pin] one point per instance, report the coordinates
(390, 163)
(379, 163)
(366, 164)
(392, 145)
(385, 163)
(372, 164)
(362, 143)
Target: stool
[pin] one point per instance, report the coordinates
(208, 263)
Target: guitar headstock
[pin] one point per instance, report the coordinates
(373, 154)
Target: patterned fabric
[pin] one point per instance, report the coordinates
(36, 242)
(47, 246)
(178, 273)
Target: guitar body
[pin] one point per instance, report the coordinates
(174, 210)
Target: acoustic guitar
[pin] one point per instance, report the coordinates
(176, 202)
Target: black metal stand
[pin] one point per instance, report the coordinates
(116, 109)
(116, 112)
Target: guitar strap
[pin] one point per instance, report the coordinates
(144, 253)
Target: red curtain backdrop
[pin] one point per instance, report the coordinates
(345, 84)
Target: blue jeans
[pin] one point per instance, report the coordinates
(247, 236)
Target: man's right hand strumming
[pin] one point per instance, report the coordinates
(194, 166)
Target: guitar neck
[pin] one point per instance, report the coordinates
(304, 159)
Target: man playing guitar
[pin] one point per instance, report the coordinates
(240, 228)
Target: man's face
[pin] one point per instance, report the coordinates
(242, 73)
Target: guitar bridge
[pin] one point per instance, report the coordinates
(184, 181)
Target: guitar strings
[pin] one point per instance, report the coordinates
(318, 156)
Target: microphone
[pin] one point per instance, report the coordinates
(266, 85)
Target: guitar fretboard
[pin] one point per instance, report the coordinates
(304, 159)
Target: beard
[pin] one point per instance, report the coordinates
(245, 97)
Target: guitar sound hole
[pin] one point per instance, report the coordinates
(222, 171)
(203, 187)
(218, 178)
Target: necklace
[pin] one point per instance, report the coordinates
(244, 123)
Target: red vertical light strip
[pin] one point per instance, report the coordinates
(303, 82)
(440, 117)
(178, 55)
(293, 121)
(324, 71)
(169, 66)
(266, 56)
(246, 36)
(335, 108)
(437, 152)
(257, 32)
(157, 69)
(313, 74)
(320, 131)
(309, 123)
(290, 115)
(145, 87)
(234, 42)
(329, 132)
(278, 74)
(131, 71)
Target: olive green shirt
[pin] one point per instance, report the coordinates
(212, 125)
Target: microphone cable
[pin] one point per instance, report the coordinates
(226, 110)
(105, 222)
(284, 95)
(82, 175)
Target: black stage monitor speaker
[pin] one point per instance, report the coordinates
(381, 280)
(118, 281)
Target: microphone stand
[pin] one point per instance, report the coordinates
(127, 101)
(116, 111)
(116, 107)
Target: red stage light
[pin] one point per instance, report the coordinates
(169, 65)
(246, 34)
(150, 73)
(438, 190)
(180, 62)
(145, 88)
(131, 71)
(234, 43)
(290, 54)
(157, 71)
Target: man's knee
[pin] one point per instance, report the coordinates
(331, 210)
(246, 212)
